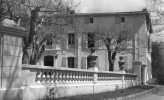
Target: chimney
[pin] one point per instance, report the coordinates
(72, 11)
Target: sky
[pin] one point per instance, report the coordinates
(102, 6)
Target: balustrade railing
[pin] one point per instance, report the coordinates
(50, 75)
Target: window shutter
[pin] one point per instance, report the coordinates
(76, 62)
(65, 42)
(86, 20)
(83, 63)
(64, 62)
(117, 20)
(76, 40)
(126, 62)
(84, 40)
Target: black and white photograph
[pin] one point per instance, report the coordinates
(81, 49)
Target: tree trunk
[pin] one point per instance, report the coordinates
(111, 55)
(29, 41)
(111, 63)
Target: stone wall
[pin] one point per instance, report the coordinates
(11, 63)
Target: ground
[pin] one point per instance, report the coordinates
(158, 95)
(112, 94)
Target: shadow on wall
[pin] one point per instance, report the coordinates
(12, 84)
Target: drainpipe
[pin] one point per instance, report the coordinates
(1, 55)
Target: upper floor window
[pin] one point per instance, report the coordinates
(71, 21)
(122, 19)
(49, 41)
(89, 20)
(119, 19)
(71, 39)
(91, 40)
(71, 62)
(48, 61)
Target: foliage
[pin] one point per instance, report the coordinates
(157, 60)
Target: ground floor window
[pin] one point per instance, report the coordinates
(71, 62)
(48, 61)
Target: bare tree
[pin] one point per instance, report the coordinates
(33, 13)
(115, 38)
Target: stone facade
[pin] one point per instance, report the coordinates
(138, 23)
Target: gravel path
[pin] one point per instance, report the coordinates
(159, 95)
(111, 94)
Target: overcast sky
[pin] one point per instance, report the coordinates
(98, 6)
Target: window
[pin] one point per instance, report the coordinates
(49, 41)
(48, 61)
(91, 20)
(71, 39)
(91, 40)
(122, 19)
(71, 62)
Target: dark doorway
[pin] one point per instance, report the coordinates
(48, 61)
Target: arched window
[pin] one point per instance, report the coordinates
(48, 61)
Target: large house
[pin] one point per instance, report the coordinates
(77, 30)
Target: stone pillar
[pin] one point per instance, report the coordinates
(95, 75)
(137, 71)
(11, 61)
(143, 74)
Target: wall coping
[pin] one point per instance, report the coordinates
(38, 67)
(13, 31)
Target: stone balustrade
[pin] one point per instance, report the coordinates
(35, 74)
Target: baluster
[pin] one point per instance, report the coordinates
(47, 77)
(67, 76)
(76, 76)
(44, 77)
(63, 76)
(87, 77)
(38, 76)
(78, 79)
(70, 76)
(73, 78)
(108, 78)
(52, 76)
(82, 77)
(56, 76)
(105, 77)
(90, 77)
(60, 77)
(101, 78)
